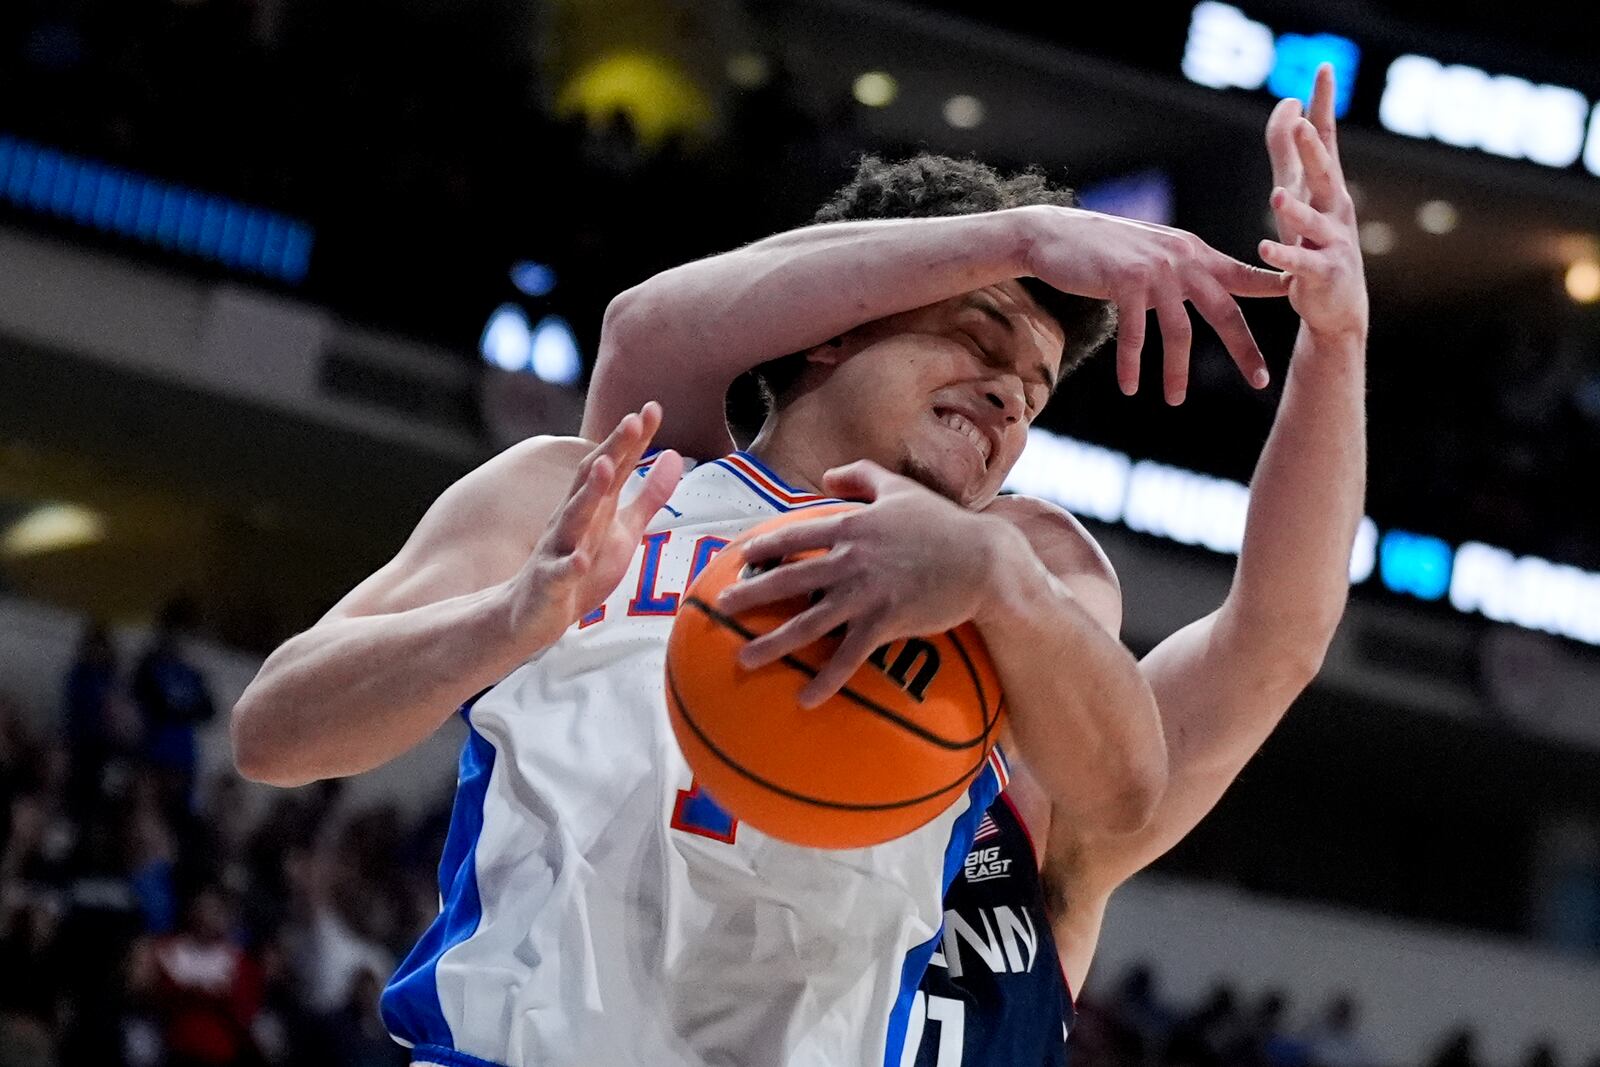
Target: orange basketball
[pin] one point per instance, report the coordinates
(890, 751)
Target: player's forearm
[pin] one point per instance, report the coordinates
(1306, 501)
(352, 693)
(1081, 712)
(797, 289)
(698, 326)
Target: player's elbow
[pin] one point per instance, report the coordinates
(1288, 648)
(1295, 658)
(625, 317)
(1138, 790)
(258, 754)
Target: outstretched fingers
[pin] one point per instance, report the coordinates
(1280, 143)
(1177, 336)
(1242, 279)
(1323, 102)
(1297, 260)
(1298, 221)
(1323, 181)
(660, 481)
(1223, 313)
(1130, 343)
(572, 524)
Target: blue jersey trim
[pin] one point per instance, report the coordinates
(410, 1004)
(764, 469)
(767, 497)
(980, 794)
(447, 1057)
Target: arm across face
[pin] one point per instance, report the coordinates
(682, 336)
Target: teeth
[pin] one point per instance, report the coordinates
(964, 426)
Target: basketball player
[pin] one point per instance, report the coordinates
(997, 991)
(597, 907)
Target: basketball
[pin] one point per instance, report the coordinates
(885, 755)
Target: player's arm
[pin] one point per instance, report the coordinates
(1224, 682)
(469, 597)
(1081, 714)
(1059, 571)
(682, 336)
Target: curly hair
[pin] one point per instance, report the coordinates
(929, 186)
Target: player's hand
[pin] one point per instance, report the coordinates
(876, 579)
(1138, 266)
(1318, 244)
(590, 540)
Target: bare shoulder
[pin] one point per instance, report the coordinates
(1060, 539)
(522, 483)
(537, 458)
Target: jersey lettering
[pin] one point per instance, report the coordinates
(1008, 942)
(696, 813)
(704, 549)
(649, 596)
(950, 1014)
(986, 864)
(646, 601)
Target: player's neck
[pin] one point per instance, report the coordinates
(797, 453)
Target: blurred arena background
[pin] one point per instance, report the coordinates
(273, 273)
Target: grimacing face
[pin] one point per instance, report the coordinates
(944, 394)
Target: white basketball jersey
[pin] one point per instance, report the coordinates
(598, 910)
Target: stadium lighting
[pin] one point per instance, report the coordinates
(1415, 564)
(507, 341)
(655, 91)
(1199, 509)
(534, 279)
(875, 89)
(1583, 281)
(1226, 49)
(1377, 238)
(154, 212)
(963, 112)
(1471, 108)
(554, 357)
(748, 70)
(1438, 217)
(53, 528)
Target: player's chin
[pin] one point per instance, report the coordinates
(959, 487)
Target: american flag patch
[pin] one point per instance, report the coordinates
(986, 828)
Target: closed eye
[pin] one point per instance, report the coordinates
(1037, 391)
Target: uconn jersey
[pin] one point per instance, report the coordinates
(597, 908)
(994, 994)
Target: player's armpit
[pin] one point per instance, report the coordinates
(477, 533)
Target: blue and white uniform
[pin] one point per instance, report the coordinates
(598, 909)
(994, 995)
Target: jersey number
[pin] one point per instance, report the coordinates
(696, 813)
(950, 1014)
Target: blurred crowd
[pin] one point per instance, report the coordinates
(150, 919)
(1131, 1024)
